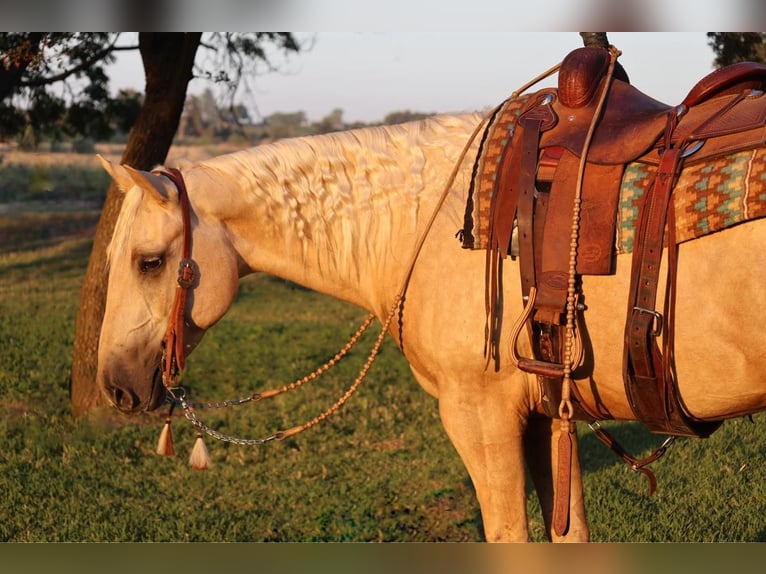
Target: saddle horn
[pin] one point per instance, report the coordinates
(600, 40)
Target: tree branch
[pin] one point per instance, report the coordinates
(83, 66)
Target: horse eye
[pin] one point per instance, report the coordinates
(150, 264)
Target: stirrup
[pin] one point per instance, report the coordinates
(536, 366)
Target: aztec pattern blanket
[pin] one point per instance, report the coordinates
(709, 196)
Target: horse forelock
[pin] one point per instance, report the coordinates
(121, 235)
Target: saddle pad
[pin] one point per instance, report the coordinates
(500, 128)
(709, 196)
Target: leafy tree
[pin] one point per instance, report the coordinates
(204, 118)
(332, 122)
(281, 125)
(32, 65)
(731, 47)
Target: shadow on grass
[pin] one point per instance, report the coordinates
(26, 232)
(64, 258)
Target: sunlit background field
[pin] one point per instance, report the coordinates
(380, 470)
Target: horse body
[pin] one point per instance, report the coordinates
(341, 214)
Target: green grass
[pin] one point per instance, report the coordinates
(365, 474)
(380, 470)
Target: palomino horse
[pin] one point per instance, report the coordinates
(340, 214)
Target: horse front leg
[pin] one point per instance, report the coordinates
(488, 437)
(540, 451)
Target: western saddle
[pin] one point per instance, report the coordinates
(541, 177)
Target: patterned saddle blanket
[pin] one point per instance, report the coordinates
(710, 195)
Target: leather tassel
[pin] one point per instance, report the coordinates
(562, 491)
(165, 443)
(200, 457)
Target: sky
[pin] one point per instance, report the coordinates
(420, 55)
(403, 15)
(370, 74)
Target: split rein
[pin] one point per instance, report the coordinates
(172, 362)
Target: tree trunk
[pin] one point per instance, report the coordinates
(168, 60)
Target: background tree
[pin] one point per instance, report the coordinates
(31, 63)
(281, 125)
(402, 116)
(205, 120)
(332, 122)
(732, 47)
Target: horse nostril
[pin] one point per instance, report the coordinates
(123, 399)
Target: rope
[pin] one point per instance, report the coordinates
(188, 407)
(565, 407)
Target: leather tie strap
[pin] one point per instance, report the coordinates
(563, 489)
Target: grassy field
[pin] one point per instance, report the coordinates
(380, 470)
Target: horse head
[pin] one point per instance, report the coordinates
(143, 259)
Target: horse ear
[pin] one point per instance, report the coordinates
(118, 173)
(160, 187)
(126, 177)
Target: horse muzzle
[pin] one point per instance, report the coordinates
(130, 399)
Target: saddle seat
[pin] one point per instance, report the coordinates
(632, 122)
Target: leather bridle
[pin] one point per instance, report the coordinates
(173, 342)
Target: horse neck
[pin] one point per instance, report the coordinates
(339, 213)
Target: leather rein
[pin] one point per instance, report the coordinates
(172, 363)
